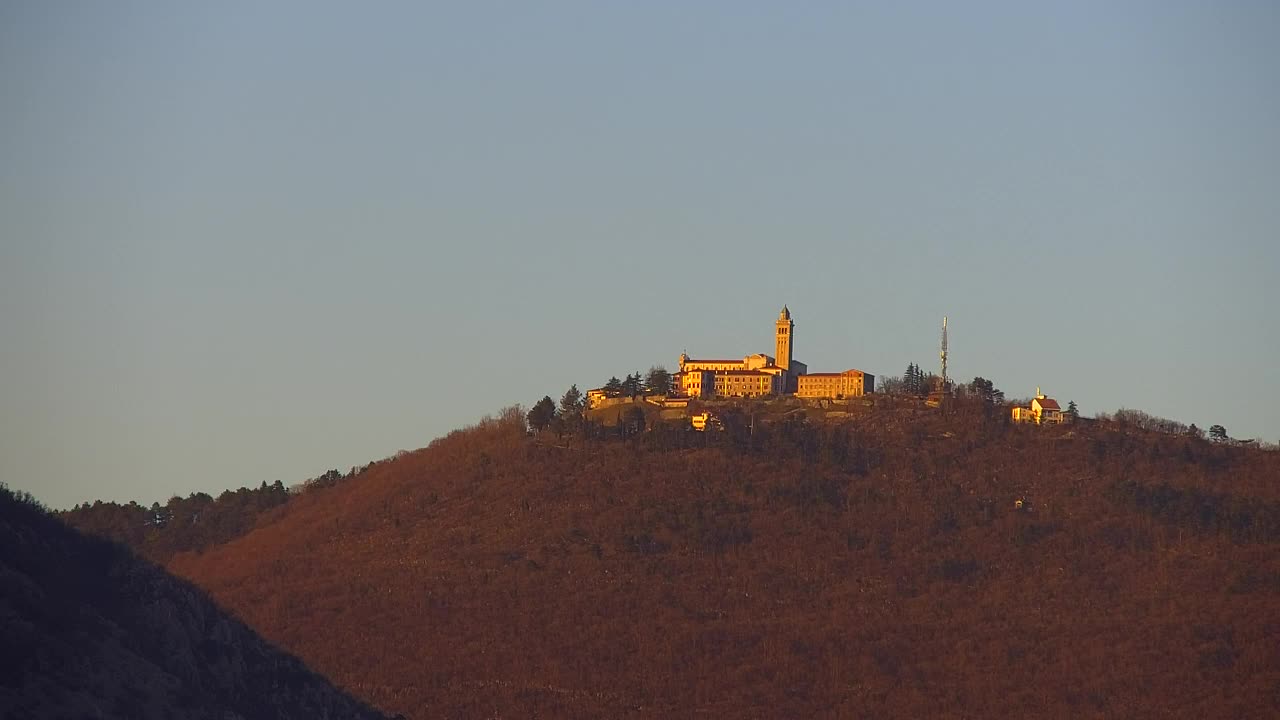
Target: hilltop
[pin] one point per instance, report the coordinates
(901, 563)
(90, 630)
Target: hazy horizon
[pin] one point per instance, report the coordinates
(252, 242)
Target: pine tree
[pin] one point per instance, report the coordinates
(911, 379)
(986, 390)
(571, 408)
(919, 380)
(542, 413)
(631, 385)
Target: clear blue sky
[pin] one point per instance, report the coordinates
(253, 241)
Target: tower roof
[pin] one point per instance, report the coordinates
(785, 314)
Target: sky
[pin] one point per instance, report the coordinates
(253, 241)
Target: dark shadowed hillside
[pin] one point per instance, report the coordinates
(191, 523)
(91, 631)
(906, 563)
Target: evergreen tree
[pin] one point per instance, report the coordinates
(542, 413)
(613, 388)
(631, 385)
(658, 381)
(1217, 433)
(1072, 410)
(986, 390)
(571, 408)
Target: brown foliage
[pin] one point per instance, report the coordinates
(878, 569)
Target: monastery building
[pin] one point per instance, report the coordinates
(760, 375)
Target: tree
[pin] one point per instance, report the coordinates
(632, 385)
(928, 382)
(916, 381)
(912, 379)
(571, 408)
(986, 391)
(658, 381)
(543, 412)
(1217, 433)
(889, 385)
(613, 388)
(1072, 410)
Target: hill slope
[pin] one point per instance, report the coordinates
(882, 569)
(159, 532)
(92, 631)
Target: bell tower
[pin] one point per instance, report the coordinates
(784, 337)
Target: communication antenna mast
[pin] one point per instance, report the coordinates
(943, 354)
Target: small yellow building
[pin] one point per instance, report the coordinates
(1043, 411)
(847, 384)
(701, 420)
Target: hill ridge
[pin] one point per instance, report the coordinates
(881, 565)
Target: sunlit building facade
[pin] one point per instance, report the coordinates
(847, 384)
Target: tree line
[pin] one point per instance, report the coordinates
(916, 382)
(1154, 423)
(192, 523)
(568, 417)
(656, 382)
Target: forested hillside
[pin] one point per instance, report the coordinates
(91, 631)
(905, 563)
(191, 523)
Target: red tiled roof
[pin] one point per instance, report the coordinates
(743, 372)
(691, 360)
(1048, 404)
